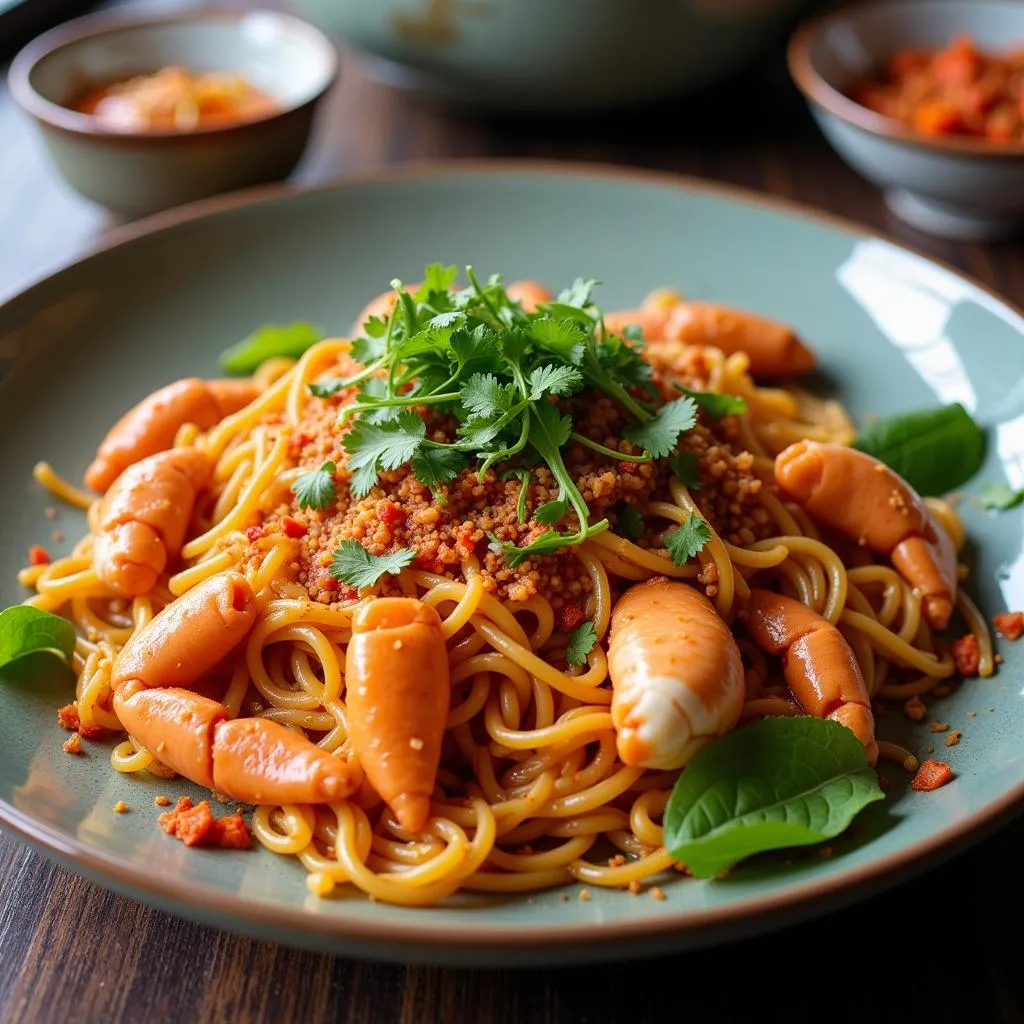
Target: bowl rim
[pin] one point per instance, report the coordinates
(93, 26)
(819, 92)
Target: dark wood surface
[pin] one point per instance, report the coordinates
(942, 948)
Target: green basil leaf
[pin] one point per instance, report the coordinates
(268, 341)
(934, 450)
(25, 630)
(778, 783)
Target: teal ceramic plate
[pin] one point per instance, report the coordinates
(893, 330)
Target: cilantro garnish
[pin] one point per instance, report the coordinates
(478, 357)
(685, 469)
(315, 489)
(714, 403)
(354, 565)
(581, 643)
(688, 541)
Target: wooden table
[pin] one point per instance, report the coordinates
(943, 948)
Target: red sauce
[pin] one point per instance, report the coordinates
(175, 99)
(958, 90)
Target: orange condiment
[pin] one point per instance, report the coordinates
(175, 99)
(957, 90)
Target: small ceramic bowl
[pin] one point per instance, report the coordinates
(138, 173)
(956, 187)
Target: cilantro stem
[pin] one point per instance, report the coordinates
(610, 452)
(496, 316)
(507, 453)
(523, 476)
(410, 401)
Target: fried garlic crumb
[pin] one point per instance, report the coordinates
(915, 709)
(121, 807)
(617, 861)
(657, 893)
(634, 888)
(585, 895)
(73, 744)
(938, 726)
(163, 801)
(952, 739)
(972, 714)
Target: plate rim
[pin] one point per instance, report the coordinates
(803, 900)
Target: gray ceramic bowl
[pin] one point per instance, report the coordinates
(961, 188)
(134, 174)
(555, 56)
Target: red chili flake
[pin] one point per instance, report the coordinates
(1010, 624)
(38, 555)
(292, 527)
(391, 514)
(966, 655)
(253, 533)
(931, 775)
(570, 616)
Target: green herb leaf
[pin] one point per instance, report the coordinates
(631, 523)
(435, 466)
(354, 565)
(778, 783)
(714, 403)
(25, 630)
(661, 433)
(563, 338)
(581, 643)
(371, 348)
(484, 396)
(998, 497)
(554, 380)
(688, 541)
(268, 341)
(554, 427)
(326, 388)
(551, 513)
(686, 469)
(315, 489)
(578, 293)
(437, 278)
(934, 450)
(373, 446)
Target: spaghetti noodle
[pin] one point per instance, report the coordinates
(530, 792)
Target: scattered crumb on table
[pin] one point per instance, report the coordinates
(73, 744)
(121, 807)
(938, 726)
(657, 892)
(952, 739)
(585, 895)
(163, 801)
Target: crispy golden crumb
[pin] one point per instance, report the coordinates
(163, 801)
(910, 763)
(585, 895)
(952, 739)
(915, 709)
(938, 726)
(73, 744)
(617, 861)
(634, 887)
(657, 892)
(972, 714)
(121, 807)
(998, 659)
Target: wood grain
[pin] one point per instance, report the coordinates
(943, 948)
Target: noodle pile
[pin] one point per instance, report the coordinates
(530, 793)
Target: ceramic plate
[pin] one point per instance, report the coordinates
(893, 330)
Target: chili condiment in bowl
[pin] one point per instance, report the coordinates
(142, 114)
(924, 100)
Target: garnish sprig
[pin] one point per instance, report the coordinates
(499, 372)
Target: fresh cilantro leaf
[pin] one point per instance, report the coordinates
(354, 565)
(554, 380)
(562, 338)
(714, 403)
(685, 468)
(563, 311)
(634, 334)
(688, 541)
(623, 363)
(437, 278)
(381, 445)
(998, 497)
(375, 327)
(315, 489)
(484, 396)
(631, 523)
(268, 341)
(661, 433)
(551, 512)
(370, 390)
(434, 466)
(368, 350)
(326, 388)
(554, 427)
(581, 643)
(578, 293)
(448, 319)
